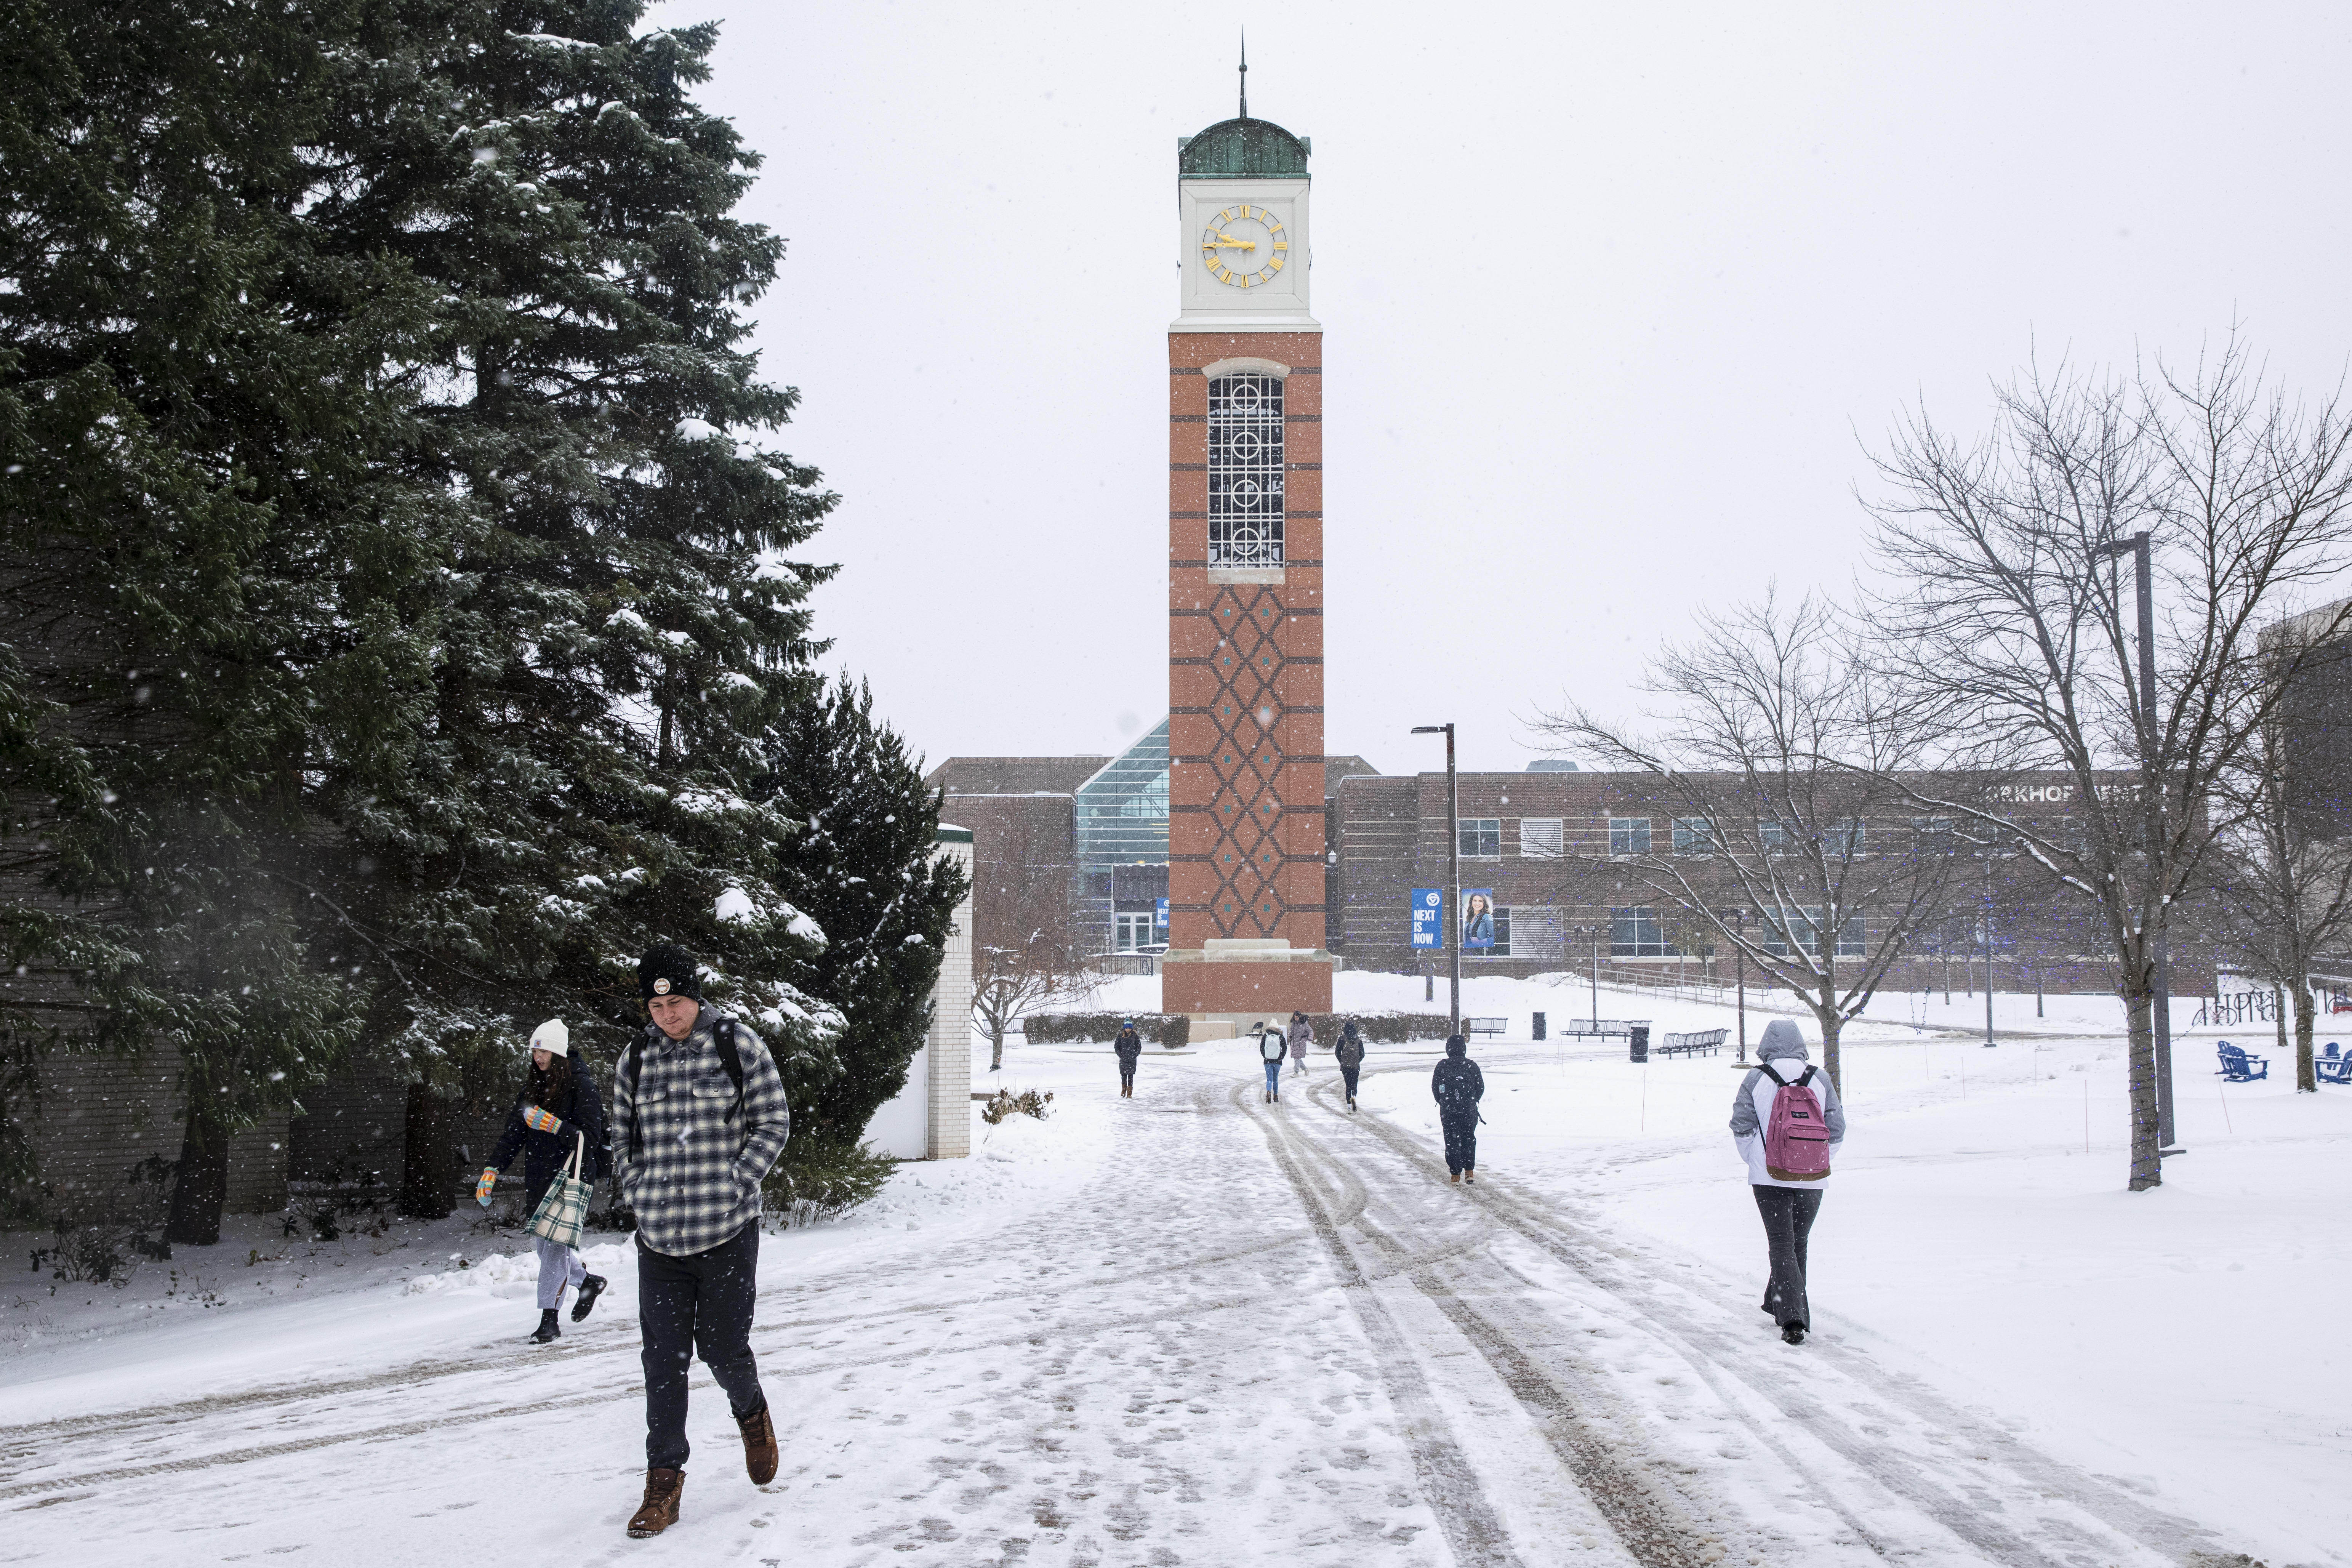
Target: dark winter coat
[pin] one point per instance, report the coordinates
(545, 1153)
(1130, 1046)
(1350, 1048)
(1456, 1083)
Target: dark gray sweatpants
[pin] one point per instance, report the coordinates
(698, 1303)
(1787, 1219)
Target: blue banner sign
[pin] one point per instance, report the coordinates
(1160, 916)
(1428, 918)
(1477, 918)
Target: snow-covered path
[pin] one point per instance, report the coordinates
(1258, 1333)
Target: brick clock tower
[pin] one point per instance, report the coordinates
(1245, 604)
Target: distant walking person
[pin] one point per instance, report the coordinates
(1351, 1054)
(1127, 1046)
(1302, 1035)
(1458, 1086)
(699, 1117)
(1271, 1049)
(1787, 1123)
(557, 1117)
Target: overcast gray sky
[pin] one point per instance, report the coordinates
(1612, 298)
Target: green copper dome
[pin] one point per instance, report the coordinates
(1242, 148)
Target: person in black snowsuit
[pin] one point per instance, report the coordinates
(1458, 1086)
(1129, 1047)
(557, 1107)
(1350, 1053)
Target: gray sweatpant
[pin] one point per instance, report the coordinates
(558, 1265)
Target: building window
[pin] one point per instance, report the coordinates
(1628, 836)
(1778, 839)
(1135, 929)
(1934, 835)
(1638, 933)
(1246, 469)
(1502, 947)
(1542, 837)
(1482, 838)
(1804, 925)
(1694, 835)
(1845, 836)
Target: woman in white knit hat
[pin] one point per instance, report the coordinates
(557, 1105)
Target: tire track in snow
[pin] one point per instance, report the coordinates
(1472, 1529)
(1652, 1529)
(1974, 1508)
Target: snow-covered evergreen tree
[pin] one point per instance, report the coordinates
(615, 644)
(867, 868)
(192, 424)
(394, 624)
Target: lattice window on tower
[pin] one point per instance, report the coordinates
(1245, 470)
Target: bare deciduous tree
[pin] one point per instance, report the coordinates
(1026, 948)
(1779, 753)
(2282, 890)
(2008, 615)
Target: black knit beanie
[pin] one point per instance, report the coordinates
(668, 971)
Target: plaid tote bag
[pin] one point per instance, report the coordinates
(560, 1212)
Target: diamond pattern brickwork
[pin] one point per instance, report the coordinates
(1261, 650)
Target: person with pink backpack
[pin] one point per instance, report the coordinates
(1787, 1123)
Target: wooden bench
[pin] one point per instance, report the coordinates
(1488, 1027)
(1693, 1043)
(1592, 1028)
(2237, 1067)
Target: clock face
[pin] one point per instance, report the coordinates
(1244, 247)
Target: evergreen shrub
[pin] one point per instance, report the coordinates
(1169, 1029)
(820, 1180)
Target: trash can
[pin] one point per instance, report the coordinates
(1539, 1026)
(1638, 1050)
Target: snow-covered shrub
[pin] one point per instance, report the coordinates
(1004, 1103)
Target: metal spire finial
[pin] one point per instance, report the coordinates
(1245, 73)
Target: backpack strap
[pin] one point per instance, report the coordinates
(634, 1061)
(730, 1060)
(1808, 1075)
(1766, 1068)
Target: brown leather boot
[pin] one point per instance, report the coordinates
(759, 1447)
(659, 1510)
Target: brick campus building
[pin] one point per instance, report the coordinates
(1541, 844)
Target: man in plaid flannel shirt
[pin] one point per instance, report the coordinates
(693, 1139)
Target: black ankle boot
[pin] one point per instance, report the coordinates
(547, 1327)
(590, 1288)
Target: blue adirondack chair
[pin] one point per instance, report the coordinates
(2332, 1067)
(2237, 1067)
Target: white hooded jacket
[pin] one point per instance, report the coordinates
(1752, 1106)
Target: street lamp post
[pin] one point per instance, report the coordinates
(1453, 849)
(1596, 980)
(2138, 547)
(1985, 918)
(1739, 952)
